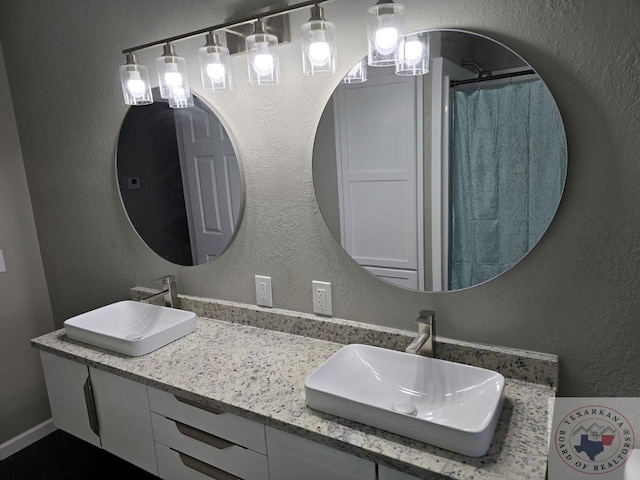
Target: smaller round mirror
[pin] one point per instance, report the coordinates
(443, 180)
(180, 180)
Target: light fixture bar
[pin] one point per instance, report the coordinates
(227, 24)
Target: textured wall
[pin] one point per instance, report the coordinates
(25, 311)
(575, 294)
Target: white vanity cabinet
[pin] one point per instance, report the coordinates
(103, 409)
(295, 458)
(180, 439)
(195, 441)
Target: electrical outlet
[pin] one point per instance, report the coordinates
(321, 297)
(263, 291)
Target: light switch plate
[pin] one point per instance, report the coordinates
(3, 266)
(322, 298)
(263, 291)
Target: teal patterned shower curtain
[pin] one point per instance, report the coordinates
(508, 167)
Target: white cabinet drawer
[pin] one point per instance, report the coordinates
(235, 429)
(210, 449)
(173, 465)
(295, 458)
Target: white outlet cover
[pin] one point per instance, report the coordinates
(264, 298)
(325, 309)
(3, 266)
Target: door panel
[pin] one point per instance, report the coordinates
(211, 179)
(65, 381)
(124, 417)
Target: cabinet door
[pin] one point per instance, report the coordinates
(293, 458)
(125, 422)
(66, 384)
(385, 473)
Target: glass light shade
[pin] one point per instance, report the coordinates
(413, 55)
(318, 45)
(181, 101)
(385, 28)
(172, 74)
(357, 74)
(215, 66)
(134, 79)
(263, 63)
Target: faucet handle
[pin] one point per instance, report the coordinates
(427, 317)
(427, 324)
(166, 280)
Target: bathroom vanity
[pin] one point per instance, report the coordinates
(227, 401)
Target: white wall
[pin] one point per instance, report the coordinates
(575, 295)
(25, 311)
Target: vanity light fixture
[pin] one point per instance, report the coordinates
(318, 44)
(134, 78)
(214, 64)
(413, 54)
(172, 76)
(385, 28)
(357, 74)
(262, 56)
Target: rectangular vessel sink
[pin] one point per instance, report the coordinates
(446, 404)
(131, 328)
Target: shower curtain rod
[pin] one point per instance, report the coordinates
(455, 83)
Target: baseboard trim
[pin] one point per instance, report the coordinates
(15, 444)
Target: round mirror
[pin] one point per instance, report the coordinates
(179, 180)
(444, 180)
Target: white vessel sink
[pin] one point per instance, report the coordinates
(449, 405)
(131, 328)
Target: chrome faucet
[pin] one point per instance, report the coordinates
(424, 344)
(168, 287)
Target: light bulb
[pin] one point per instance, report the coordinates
(386, 40)
(136, 85)
(263, 64)
(216, 71)
(412, 52)
(173, 79)
(319, 53)
(178, 91)
(263, 61)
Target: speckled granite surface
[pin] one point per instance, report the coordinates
(517, 364)
(259, 374)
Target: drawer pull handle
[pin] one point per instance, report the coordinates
(204, 437)
(199, 405)
(206, 469)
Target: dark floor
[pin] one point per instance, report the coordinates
(60, 456)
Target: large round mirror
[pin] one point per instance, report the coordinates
(444, 180)
(180, 181)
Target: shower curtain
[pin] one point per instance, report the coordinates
(508, 167)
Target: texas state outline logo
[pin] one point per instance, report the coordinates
(594, 439)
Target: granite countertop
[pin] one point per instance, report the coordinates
(259, 374)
